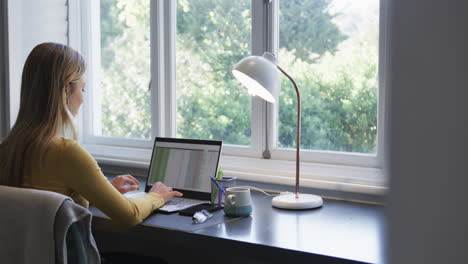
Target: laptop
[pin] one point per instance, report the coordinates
(185, 165)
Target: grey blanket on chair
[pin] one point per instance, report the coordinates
(34, 225)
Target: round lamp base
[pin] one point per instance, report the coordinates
(304, 201)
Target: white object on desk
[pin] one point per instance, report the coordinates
(304, 201)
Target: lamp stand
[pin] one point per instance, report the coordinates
(297, 200)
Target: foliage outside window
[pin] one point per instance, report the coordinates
(212, 35)
(330, 47)
(125, 69)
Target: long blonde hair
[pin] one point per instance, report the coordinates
(43, 112)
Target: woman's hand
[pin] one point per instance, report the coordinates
(119, 182)
(164, 191)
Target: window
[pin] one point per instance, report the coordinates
(119, 60)
(163, 68)
(211, 36)
(336, 71)
(123, 107)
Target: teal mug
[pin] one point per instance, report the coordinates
(238, 202)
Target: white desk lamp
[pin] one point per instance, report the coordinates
(260, 76)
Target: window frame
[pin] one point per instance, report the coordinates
(354, 172)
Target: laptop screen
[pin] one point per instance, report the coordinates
(184, 164)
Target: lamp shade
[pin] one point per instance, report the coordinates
(259, 75)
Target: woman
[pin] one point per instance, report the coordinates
(36, 153)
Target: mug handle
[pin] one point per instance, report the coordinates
(231, 199)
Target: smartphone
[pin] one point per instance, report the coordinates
(206, 206)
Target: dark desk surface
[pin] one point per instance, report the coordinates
(339, 232)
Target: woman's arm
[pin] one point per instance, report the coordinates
(82, 174)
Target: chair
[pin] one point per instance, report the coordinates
(48, 227)
(44, 227)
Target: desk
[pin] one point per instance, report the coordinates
(339, 232)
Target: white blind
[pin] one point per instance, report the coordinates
(31, 22)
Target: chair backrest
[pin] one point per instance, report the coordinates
(39, 225)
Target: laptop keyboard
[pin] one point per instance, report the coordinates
(176, 204)
(173, 205)
(182, 202)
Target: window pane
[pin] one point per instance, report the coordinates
(125, 69)
(212, 35)
(330, 48)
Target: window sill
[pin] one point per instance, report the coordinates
(332, 177)
(312, 175)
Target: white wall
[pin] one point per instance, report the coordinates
(428, 141)
(31, 22)
(3, 64)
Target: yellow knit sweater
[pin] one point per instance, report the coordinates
(70, 170)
